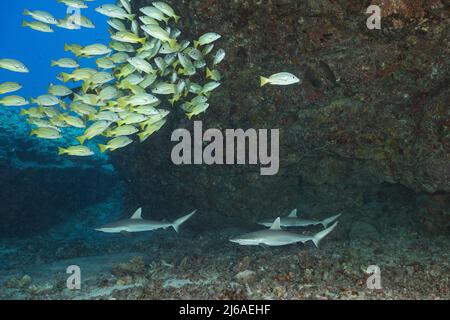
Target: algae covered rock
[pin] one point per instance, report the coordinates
(371, 109)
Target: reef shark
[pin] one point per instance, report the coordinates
(275, 236)
(137, 224)
(292, 220)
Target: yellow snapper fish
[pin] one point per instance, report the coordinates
(96, 49)
(65, 63)
(79, 4)
(155, 118)
(41, 16)
(117, 24)
(78, 151)
(121, 46)
(50, 112)
(96, 129)
(125, 130)
(128, 37)
(82, 109)
(13, 101)
(164, 88)
(159, 33)
(154, 13)
(148, 110)
(78, 75)
(126, 4)
(32, 112)
(105, 63)
(210, 86)
(119, 57)
(125, 71)
(116, 143)
(166, 9)
(68, 23)
(137, 100)
(104, 115)
(96, 80)
(151, 129)
(280, 79)
(141, 65)
(85, 22)
(59, 90)
(41, 123)
(46, 133)
(207, 38)
(38, 26)
(13, 65)
(9, 87)
(113, 11)
(46, 100)
(197, 109)
(89, 99)
(72, 47)
(108, 93)
(132, 118)
(148, 20)
(72, 121)
(213, 75)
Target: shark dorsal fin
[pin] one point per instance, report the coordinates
(137, 214)
(276, 225)
(293, 214)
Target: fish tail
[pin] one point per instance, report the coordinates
(61, 151)
(85, 86)
(196, 44)
(264, 81)
(24, 23)
(52, 63)
(131, 17)
(142, 136)
(103, 148)
(23, 112)
(322, 234)
(208, 73)
(190, 115)
(176, 18)
(172, 43)
(81, 139)
(32, 133)
(177, 223)
(142, 40)
(66, 47)
(66, 77)
(26, 12)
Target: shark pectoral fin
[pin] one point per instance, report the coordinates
(137, 214)
(264, 246)
(276, 224)
(293, 214)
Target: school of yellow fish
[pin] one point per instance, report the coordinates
(144, 72)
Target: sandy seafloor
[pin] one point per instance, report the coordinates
(190, 265)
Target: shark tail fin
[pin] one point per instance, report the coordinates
(327, 221)
(177, 223)
(322, 234)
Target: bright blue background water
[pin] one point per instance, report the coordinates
(35, 49)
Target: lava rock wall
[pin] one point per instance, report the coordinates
(371, 111)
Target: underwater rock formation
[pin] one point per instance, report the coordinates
(372, 110)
